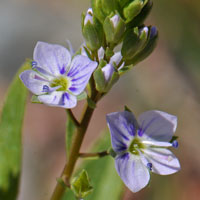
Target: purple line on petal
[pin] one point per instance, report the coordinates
(62, 71)
(76, 79)
(121, 134)
(72, 89)
(123, 156)
(145, 128)
(120, 146)
(140, 132)
(77, 70)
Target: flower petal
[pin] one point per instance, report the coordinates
(108, 72)
(157, 125)
(80, 72)
(132, 171)
(122, 129)
(59, 99)
(52, 58)
(116, 58)
(33, 81)
(163, 160)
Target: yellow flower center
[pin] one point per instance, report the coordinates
(63, 82)
(136, 145)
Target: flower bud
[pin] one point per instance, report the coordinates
(139, 19)
(148, 48)
(114, 28)
(134, 41)
(133, 9)
(103, 8)
(92, 31)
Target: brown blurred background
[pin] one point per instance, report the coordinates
(168, 80)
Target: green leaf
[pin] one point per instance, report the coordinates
(70, 128)
(10, 137)
(104, 178)
(81, 185)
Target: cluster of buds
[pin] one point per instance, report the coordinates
(111, 22)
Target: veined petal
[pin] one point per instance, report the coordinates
(122, 129)
(59, 99)
(108, 71)
(157, 125)
(52, 57)
(163, 160)
(80, 72)
(33, 81)
(132, 171)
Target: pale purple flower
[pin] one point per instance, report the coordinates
(55, 78)
(142, 146)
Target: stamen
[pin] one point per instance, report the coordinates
(45, 88)
(34, 64)
(175, 144)
(149, 166)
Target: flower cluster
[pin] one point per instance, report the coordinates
(59, 76)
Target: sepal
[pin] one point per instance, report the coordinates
(34, 99)
(82, 96)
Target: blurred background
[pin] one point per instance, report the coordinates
(168, 80)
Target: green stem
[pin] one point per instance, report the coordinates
(71, 115)
(94, 155)
(76, 145)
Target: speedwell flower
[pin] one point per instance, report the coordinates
(141, 146)
(55, 78)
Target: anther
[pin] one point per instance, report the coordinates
(34, 64)
(45, 88)
(149, 166)
(175, 144)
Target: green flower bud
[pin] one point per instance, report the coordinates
(139, 19)
(114, 28)
(103, 8)
(133, 9)
(92, 31)
(134, 41)
(148, 49)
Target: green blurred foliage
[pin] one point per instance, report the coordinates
(10, 137)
